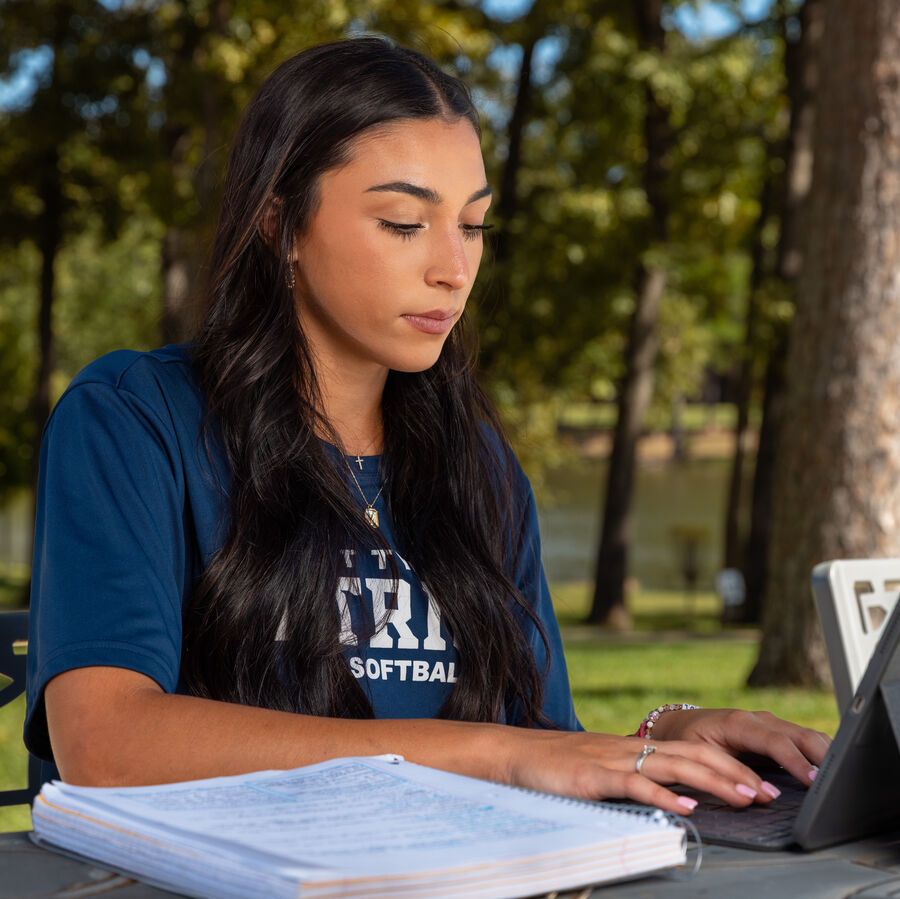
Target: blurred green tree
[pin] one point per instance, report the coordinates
(564, 90)
(207, 59)
(59, 171)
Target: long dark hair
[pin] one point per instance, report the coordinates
(456, 519)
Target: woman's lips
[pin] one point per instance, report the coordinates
(438, 321)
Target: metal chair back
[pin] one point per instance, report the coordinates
(13, 630)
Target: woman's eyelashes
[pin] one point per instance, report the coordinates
(407, 232)
(473, 232)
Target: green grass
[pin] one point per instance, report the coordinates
(678, 652)
(651, 610)
(615, 684)
(13, 763)
(13, 759)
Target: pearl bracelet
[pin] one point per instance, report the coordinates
(646, 728)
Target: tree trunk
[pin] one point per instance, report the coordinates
(608, 604)
(837, 480)
(634, 397)
(508, 198)
(734, 551)
(50, 238)
(180, 278)
(508, 201)
(756, 570)
(186, 246)
(802, 62)
(801, 70)
(677, 431)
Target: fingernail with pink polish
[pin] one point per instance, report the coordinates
(812, 774)
(770, 789)
(744, 790)
(687, 802)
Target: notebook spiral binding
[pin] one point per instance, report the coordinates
(682, 872)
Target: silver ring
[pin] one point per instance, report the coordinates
(647, 750)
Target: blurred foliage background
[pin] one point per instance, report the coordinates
(650, 160)
(116, 122)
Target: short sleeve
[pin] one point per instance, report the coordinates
(558, 707)
(110, 551)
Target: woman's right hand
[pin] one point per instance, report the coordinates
(603, 766)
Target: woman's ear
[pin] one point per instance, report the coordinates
(269, 225)
(269, 229)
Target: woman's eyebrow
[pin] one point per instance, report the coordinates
(426, 193)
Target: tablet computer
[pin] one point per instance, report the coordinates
(857, 790)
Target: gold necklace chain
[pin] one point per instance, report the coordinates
(370, 511)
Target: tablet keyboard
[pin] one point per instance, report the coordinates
(756, 826)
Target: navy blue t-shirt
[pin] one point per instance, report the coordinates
(132, 506)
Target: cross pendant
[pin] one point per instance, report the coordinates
(358, 461)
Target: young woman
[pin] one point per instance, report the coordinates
(302, 535)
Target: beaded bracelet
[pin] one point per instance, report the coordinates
(646, 728)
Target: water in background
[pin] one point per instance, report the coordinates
(667, 496)
(15, 532)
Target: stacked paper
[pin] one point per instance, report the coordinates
(361, 827)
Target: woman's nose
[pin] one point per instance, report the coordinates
(449, 265)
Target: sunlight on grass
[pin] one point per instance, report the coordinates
(617, 679)
(615, 684)
(654, 610)
(13, 764)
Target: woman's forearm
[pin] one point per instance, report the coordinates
(110, 727)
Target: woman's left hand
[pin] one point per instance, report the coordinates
(797, 749)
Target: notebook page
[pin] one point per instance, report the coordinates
(395, 817)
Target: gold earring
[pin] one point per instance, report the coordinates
(290, 274)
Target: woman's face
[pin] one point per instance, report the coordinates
(386, 265)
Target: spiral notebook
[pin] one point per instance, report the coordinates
(361, 827)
